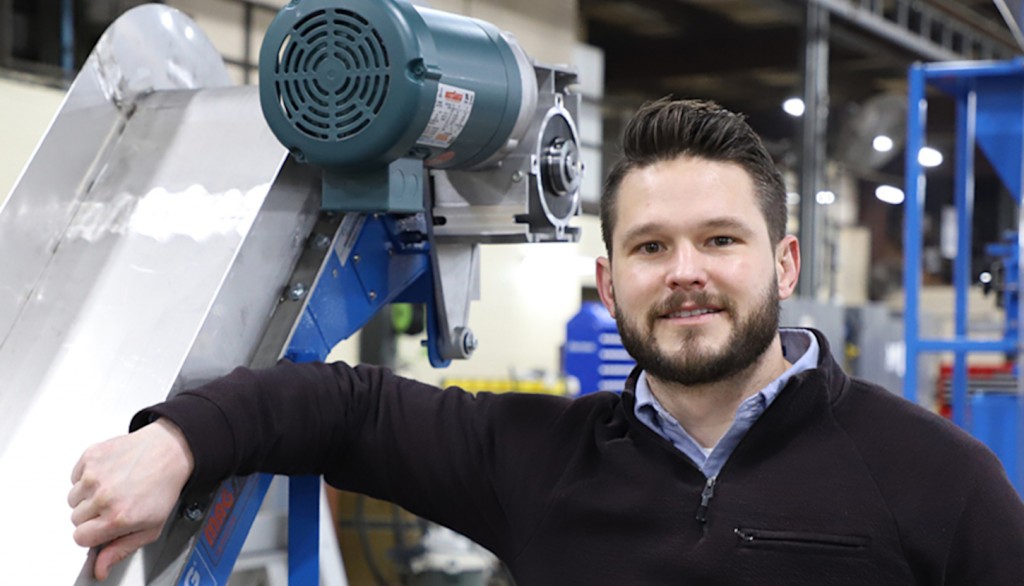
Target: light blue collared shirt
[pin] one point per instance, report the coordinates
(795, 343)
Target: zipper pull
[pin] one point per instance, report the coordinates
(705, 499)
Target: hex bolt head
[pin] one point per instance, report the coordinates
(468, 341)
(321, 241)
(193, 512)
(297, 291)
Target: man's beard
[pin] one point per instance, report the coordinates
(693, 363)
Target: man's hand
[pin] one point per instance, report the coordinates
(125, 488)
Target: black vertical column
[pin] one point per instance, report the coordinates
(6, 32)
(812, 152)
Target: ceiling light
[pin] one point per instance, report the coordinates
(793, 106)
(889, 194)
(882, 143)
(929, 157)
(825, 197)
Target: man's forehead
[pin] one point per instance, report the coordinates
(687, 181)
(687, 191)
(688, 166)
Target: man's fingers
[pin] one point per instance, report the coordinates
(79, 492)
(93, 532)
(104, 527)
(119, 549)
(76, 472)
(83, 512)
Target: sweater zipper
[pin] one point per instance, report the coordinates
(705, 499)
(755, 536)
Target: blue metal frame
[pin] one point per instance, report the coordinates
(371, 267)
(355, 284)
(989, 99)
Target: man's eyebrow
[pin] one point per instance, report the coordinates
(727, 223)
(641, 230)
(720, 223)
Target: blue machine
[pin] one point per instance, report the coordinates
(989, 99)
(594, 355)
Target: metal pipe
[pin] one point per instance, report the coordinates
(67, 38)
(247, 50)
(1011, 22)
(917, 113)
(6, 32)
(963, 195)
(964, 345)
(887, 30)
(812, 146)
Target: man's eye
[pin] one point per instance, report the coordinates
(722, 240)
(650, 247)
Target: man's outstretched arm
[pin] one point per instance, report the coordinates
(125, 488)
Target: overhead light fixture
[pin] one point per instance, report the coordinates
(825, 197)
(889, 194)
(793, 107)
(792, 198)
(882, 143)
(929, 157)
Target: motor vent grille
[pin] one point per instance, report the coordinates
(332, 74)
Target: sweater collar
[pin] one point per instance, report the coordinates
(827, 372)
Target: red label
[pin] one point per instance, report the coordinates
(218, 514)
(454, 96)
(440, 159)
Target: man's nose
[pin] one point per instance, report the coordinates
(688, 268)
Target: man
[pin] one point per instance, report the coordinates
(738, 453)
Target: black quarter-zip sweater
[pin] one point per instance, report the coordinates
(839, 482)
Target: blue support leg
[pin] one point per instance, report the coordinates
(963, 196)
(916, 117)
(304, 531)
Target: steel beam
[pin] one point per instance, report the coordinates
(812, 145)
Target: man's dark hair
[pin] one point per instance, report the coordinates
(666, 129)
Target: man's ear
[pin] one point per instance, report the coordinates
(604, 283)
(787, 265)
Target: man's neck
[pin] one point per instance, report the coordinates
(707, 411)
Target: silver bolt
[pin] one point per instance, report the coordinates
(193, 512)
(373, 295)
(517, 177)
(355, 258)
(321, 241)
(298, 291)
(469, 341)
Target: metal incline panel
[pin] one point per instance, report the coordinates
(143, 249)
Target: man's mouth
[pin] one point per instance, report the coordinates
(683, 313)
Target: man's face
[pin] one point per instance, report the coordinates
(695, 281)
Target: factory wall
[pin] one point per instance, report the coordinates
(25, 113)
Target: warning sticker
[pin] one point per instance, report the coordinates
(452, 108)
